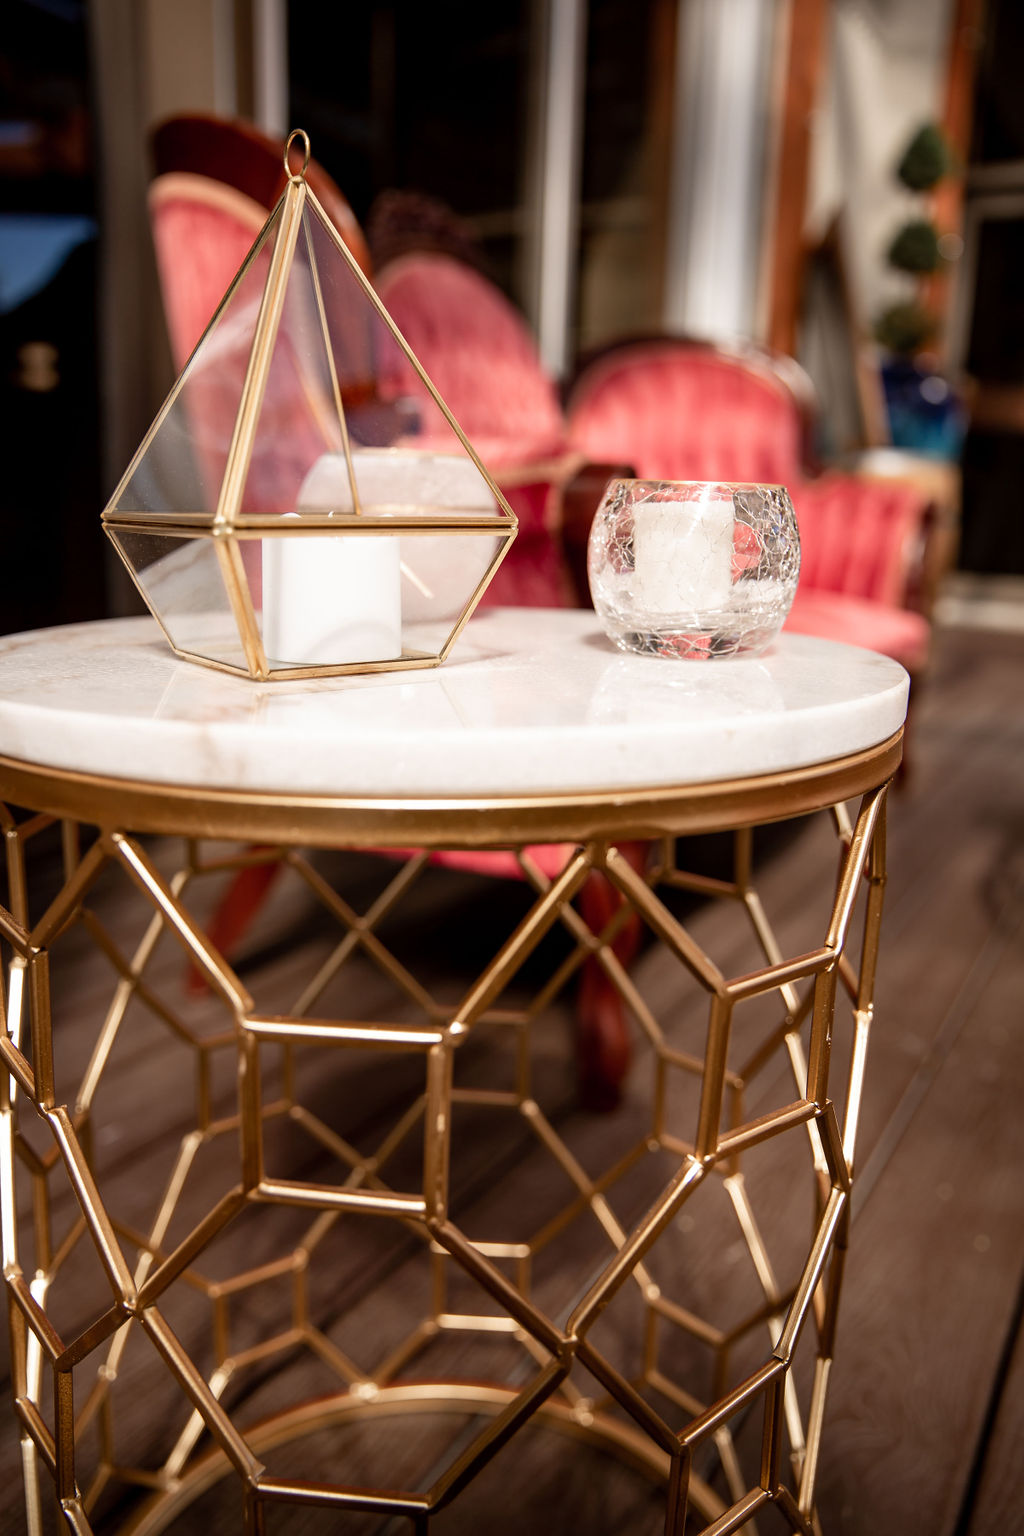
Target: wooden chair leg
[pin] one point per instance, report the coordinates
(603, 1048)
(234, 912)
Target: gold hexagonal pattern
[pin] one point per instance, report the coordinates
(240, 1266)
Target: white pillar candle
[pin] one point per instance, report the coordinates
(343, 599)
(682, 556)
(331, 600)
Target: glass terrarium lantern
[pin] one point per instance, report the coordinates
(287, 515)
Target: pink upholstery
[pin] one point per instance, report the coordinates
(217, 226)
(858, 536)
(686, 411)
(533, 574)
(894, 631)
(478, 352)
(217, 237)
(679, 412)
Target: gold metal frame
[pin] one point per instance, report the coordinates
(446, 821)
(646, 1413)
(227, 527)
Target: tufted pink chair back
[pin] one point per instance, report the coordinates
(216, 226)
(683, 411)
(859, 536)
(478, 351)
(202, 232)
(216, 180)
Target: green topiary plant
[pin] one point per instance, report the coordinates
(904, 328)
(907, 326)
(926, 159)
(916, 247)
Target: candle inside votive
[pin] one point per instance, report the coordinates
(328, 601)
(682, 556)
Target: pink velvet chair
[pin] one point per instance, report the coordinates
(684, 410)
(215, 181)
(479, 353)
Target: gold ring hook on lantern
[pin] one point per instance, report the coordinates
(303, 137)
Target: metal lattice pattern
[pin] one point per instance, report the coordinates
(68, 1387)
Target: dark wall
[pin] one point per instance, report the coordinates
(992, 537)
(50, 493)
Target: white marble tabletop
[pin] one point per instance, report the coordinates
(530, 701)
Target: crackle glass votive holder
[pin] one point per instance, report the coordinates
(693, 569)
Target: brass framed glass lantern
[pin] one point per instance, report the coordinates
(289, 514)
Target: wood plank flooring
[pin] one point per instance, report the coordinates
(925, 1427)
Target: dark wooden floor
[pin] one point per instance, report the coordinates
(925, 1428)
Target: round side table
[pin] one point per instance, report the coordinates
(534, 733)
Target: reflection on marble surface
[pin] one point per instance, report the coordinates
(532, 700)
(622, 696)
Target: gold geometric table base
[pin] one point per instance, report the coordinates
(395, 1403)
(636, 1355)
